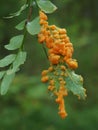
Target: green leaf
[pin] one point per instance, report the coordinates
(18, 12)
(20, 59)
(46, 6)
(2, 74)
(21, 25)
(15, 42)
(74, 83)
(7, 60)
(33, 27)
(7, 80)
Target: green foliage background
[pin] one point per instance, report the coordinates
(27, 105)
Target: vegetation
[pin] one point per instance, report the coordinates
(27, 105)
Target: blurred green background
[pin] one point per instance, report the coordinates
(27, 105)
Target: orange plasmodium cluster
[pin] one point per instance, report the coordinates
(60, 98)
(55, 76)
(60, 51)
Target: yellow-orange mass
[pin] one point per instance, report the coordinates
(60, 51)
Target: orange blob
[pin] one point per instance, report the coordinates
(44, 79)
(51, 82)
(49, 42)
(60, 94)
(54, 59)
(41, 38)
(62, 31)
(44, 72)
(63, 67)
(53, 27)
(51, 88)
(42, 15)
(50, 68)
(72, 63)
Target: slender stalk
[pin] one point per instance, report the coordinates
(28, 19)
(45, 51)
(25, 33)
(29, 14)
(36, 4)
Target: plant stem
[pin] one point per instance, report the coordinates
(45, 51)
(28, 19)
(36, 4)
(25, 33)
